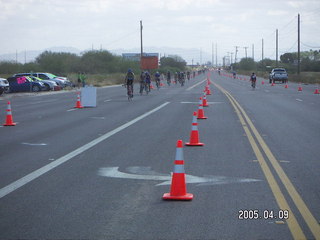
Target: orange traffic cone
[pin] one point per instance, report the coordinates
(286, 86)
(204, 100)
(151, 86)
(201, 111)
(78, 104)
(208, 90)
(9, 120)
(262, 82)
(178, 189)
(316, 91)
(272, 84)
(299, 88)
(194, 135)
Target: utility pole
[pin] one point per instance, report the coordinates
(236, 54)
(277, 48)
(262, 51)
(200, 56)
(253, 52)
(216, 55)
(141, 47)
(298, 44)
(212, 55)
(245, 48)
(228, 58)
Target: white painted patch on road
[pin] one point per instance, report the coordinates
(299, 100)
(284, 161)
(44, 101)
(108, 100)
(34, 144)
(101, 118)
(198, 102)
(189, 88)
(113, 172)
(39, 172)
(72, 109)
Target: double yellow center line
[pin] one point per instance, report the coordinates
(292, 222)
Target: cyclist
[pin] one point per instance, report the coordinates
(234, 74)
(157, 79)
(142, 82)
(182, 78)
(188, 75)
(253, 79)
(176, 77)
(148, 81)
(129, 79)
(169, 78)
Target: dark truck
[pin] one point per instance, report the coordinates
(278, 74)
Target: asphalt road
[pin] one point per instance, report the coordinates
(100, 173)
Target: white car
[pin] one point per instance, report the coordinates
(61, 81)
(4, 85)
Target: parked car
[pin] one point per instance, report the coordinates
(25, 84)
(61, 81)
(4, 85)
(278, 74)
(50, 85)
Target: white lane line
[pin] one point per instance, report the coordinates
(39, 172)
(34, 144)
(108, 100)
(299, 100)
(189, 88)
(72, 109)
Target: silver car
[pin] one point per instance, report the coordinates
(61, 81)
(4, 85)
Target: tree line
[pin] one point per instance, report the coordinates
(310, 62)
(91, 62)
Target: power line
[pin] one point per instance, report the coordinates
(306, 45)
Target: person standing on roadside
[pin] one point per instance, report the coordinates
(82, 78)
(79, 80)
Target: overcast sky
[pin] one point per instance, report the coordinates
(114, 24)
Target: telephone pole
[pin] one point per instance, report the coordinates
(141, 47)
(298, 44)
(216, 55)
(253, 52)
(235, 57)
(212, 55)
(277, 48)
(262, 51)
(245, 48)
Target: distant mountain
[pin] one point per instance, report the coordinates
(191, 55)
(29, 56)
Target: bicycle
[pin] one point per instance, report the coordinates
(129, 91)
(142, 87)
(253, 84)
(158, 83)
